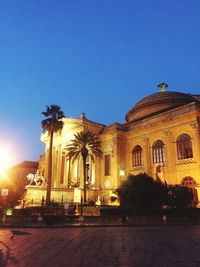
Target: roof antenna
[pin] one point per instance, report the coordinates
(163, 87)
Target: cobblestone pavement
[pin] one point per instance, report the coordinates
(101, 246)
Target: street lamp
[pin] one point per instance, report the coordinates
(122, 173)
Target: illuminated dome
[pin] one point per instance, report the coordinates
(158, 102)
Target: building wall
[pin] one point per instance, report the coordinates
(19, 172)
(166, 128)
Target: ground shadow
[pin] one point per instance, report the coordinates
(4, 257)
(2, 260)
(5, 254)
(18, 232)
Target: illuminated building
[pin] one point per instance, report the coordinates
(160, 137)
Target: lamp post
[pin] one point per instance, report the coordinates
(4, 195)
(121, 174)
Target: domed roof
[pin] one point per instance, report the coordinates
(158, 102)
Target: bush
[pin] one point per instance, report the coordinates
(23, 212)
(52, 219)
(91, 203)
(111, 211)
(141, 192)
(179, 197)
(71, 210)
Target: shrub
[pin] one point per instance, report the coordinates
(179, 197)
(91, 203)
(141, 192)
(52, 219)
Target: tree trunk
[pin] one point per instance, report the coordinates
(84, 180)
(49, 177)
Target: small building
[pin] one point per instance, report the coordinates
(17, 176)
(21, 170)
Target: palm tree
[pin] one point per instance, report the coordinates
(84, 144)
(51, 124)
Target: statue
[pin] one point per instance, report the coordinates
(82, 116)
(36, 179)
(163, 87)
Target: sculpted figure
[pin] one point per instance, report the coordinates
(36, 179)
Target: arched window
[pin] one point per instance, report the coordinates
(137, 156)
(158, 152)
(184, 146)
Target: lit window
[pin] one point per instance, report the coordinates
(158, 152)
(107, 165)
(184, 147)
(137, 156)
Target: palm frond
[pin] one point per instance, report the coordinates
(53, 123)
(85, 143)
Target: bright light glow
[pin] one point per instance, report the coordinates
(4, 162)
(121, 172)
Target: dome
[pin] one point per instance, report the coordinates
(158, 102)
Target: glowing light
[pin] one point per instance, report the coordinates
(9, 212)
(98, 202)
(121, 172)
(4, 162)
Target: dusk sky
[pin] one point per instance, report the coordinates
(97, 57)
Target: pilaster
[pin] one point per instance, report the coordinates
(147, 156)
(196, 142)
(170, 160)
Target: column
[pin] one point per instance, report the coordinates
(196, 142)
(68, 173)
(196, 154)
(170, 160)
(147, 156)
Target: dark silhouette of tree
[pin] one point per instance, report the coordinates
(179, 197)
(85, 144)
(52, 124)
(141, 193)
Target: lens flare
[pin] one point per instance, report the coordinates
(4, 162)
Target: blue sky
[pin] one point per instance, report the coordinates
(97, 57)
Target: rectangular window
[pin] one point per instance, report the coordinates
(107, 165)
(137, 159)
(158, 155)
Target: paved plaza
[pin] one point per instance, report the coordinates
(100, 246)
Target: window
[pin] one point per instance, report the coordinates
(158, 152)
(137, 156)
(107, 165)
(184, 147)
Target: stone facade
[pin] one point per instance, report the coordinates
(160, 137)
